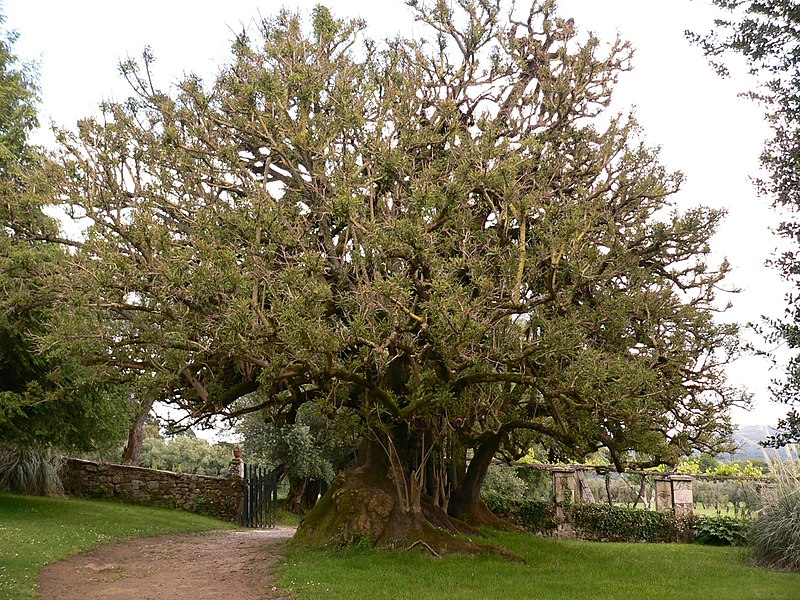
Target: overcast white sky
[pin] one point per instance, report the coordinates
(704, 129)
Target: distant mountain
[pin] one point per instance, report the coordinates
(748, 438)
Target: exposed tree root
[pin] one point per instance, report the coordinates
(431, 550)
(362, 506)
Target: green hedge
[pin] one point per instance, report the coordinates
(534, 515)
(538, 516)
(500, 505)
(601, 522)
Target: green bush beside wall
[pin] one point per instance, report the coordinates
(601, 522)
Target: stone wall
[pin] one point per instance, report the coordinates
(212, 496)
(673, 494)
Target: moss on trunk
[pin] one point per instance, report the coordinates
(363, 507)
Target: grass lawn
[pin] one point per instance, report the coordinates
(37, 531)
(723, 511)
(553, 570)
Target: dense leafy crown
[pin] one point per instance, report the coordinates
(451, 233)
(42, 399)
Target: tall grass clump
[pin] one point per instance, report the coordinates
(30, 471)
(774, 540)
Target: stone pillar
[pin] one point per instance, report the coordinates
(236, 468)
(682, 498)
(674, 493)
(236, 477)
(564, 484)
(663, 494)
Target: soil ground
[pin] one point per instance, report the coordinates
(201, 566)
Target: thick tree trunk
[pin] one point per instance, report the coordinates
(458, 464)
(133, 450)
(465, 503)
(315, 492)
(304, 493)
(297, 488)
(640, 495)
(373, 504)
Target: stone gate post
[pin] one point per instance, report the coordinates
(564, 484)
(236, 467)
(663, 494)
(674, 493)
(682, 498)
(236, 477)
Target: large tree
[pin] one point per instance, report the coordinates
(450, 237)
(44, 398)
(767, 35)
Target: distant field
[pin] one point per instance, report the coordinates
(699, 509)
(37, 531)
(710, 511)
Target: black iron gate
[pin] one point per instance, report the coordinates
(260, 497)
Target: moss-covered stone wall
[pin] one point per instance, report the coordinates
(212, 496)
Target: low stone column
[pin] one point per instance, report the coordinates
(683, 503)
(236, 477)
(674, 493)
(564, 484)
(682, 497)
(236, 467)
(663, 494)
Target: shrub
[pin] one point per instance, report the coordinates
(619, 524)
(774, 540)
(30, 472)
(538, 515)
(498, 504)
(538, 483)
(721, 531)
(504, 482)
(598, 522)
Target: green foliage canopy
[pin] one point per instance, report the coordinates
(767, 35)
(45, 398)
(312, 446)
(448, 235)
(186, 454)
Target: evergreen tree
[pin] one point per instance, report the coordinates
(449, 238)
(46, 398)
(767, 35)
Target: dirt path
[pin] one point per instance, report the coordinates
(202, 566)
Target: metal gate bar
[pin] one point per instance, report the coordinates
(260, 497)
